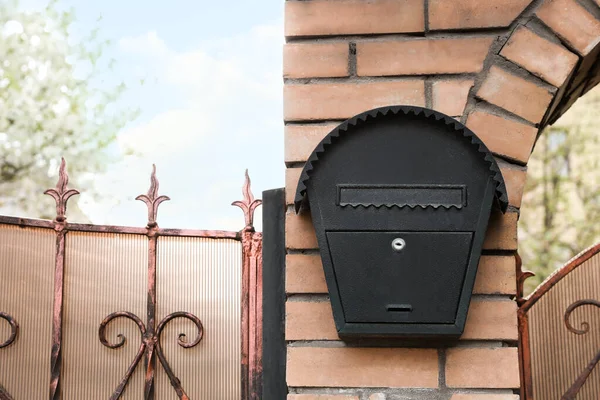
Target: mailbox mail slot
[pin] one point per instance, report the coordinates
(402, 195)
(400, 199)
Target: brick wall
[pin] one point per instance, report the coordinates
(505, 68)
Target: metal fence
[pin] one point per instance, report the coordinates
(96, 312)
(558, 327)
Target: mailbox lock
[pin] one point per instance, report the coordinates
(398, 244)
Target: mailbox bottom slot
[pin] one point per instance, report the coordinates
(400, 277)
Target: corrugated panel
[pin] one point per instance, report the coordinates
(559, 356)
(27, 287)
(104, 273)
(203, 277)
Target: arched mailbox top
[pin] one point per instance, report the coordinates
(437, 121)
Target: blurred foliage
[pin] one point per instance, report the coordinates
(53, 104)
(560, 214)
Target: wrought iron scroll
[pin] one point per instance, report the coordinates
(585, 328)
(61, 195)
(150, 333)
(14, 329)
(251, 296)
(4, 395)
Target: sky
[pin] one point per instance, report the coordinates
(210, 105)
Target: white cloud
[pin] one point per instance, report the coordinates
(168, 132)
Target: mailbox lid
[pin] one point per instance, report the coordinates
(421, 283)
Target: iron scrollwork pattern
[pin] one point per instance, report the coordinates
(150, 344)
(585, 328)
(14, 329)
(150, 333)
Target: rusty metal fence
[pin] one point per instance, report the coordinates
(97, 312)
(559, 326)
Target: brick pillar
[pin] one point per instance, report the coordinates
(505, 68)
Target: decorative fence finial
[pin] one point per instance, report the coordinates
(249, 204)
(152, 199)
(61, 193)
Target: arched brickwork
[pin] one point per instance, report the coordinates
(534, 73)
(505, 68)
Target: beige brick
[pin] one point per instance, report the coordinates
(299, 231)
(503, 136)
(483, 396)
(514, 179)
(422, 56)
(515, 94)
(491, 320)
(482, 368)
(502, 231)
(309, 321)
(550, 61)
(496, 275)
(292, 175)
(461, 14)
(362, 367)
(301, 140)
(344, 100)
(304, 274)
(338, 17)
(320, 397)
(572, 22)
(450, 96)
(311, 60)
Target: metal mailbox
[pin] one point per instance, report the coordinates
(400, 199)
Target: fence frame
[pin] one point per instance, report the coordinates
(525, 303)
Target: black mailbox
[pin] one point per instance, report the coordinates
(400, 200)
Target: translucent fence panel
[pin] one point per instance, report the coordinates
(104, 273)
(201, 276)
(26, 295)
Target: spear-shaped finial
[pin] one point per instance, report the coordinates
(152, 199)
(249, 204)
(61, 193)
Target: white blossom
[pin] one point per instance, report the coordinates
(47, 111)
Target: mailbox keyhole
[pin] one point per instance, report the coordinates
(398, 244)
